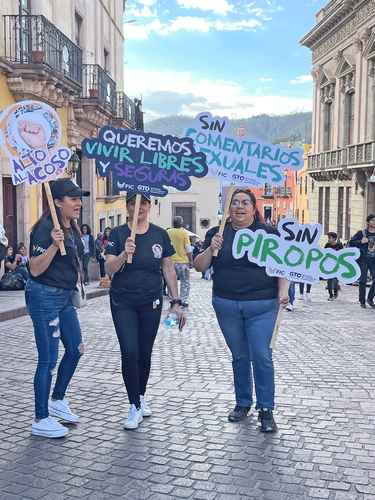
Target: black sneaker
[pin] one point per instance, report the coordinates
(363, 305)
(238, 413)
(371, 303)
(267, 422)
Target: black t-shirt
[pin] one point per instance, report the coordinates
(141, 281)
(367, 249)
(239, 279)
(63, 270)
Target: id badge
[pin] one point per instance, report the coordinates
(155, 304)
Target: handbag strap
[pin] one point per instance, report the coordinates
(77, 264)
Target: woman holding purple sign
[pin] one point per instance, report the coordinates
(246, 302)
(136, 298)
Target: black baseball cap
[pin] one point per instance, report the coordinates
(66, 187)
(370, 216)
(133, 194)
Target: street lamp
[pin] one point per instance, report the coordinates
(73, 164)
(220, 197)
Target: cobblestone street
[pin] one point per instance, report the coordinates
(325, 447)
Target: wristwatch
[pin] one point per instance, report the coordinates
(174, 302)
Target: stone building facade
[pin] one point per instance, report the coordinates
(342, 158)
(70, 55)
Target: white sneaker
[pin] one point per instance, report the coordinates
(146, 410)
(308, 298)
(289, 307)
(301, 297)
(48, 427)
(60, 409)
(135, 417)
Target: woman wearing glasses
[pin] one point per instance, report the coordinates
(246, 302)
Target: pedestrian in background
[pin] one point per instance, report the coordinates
(246, 302)
(136, 298)
(99, 254)
(333, 283)
(291, 296)
(49, 291)
(365, 241)
(88, 251)
(3, 243)
(182, 258)
(306, 297)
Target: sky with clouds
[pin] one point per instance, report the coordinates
(237, 58)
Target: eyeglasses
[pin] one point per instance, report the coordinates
(241, 203)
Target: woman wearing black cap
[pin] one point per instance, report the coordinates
(136, 299)
(49, 290)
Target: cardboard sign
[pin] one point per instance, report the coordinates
(30, 134)
(241, 161)
(145, 162)
(296, 254)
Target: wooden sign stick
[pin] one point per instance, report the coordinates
(276, 329)
(134, 223)
(225, 214)
(52, 209)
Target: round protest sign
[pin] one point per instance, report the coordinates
(30, 134)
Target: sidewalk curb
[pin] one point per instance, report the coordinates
(18, 312)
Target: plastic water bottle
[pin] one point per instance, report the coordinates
(171, 320)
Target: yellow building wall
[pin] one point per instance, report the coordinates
(302, 203)
(6, 99)
(107, 207)
(34, 193)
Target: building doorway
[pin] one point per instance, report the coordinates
(10, 210)
(187, 212)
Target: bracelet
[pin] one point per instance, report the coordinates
(174, 302)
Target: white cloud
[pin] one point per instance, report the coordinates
(265, 79)
(143, 12)
(142, 9)
(142, 31)
(200, 94)
(187, 23)
(221, 7)
(300, 80)
(148, 3)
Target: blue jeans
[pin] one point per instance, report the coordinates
(247, 327)
(53, 316)
(292, 292)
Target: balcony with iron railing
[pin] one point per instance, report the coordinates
(125, 109)
(32, 39)
(268, 192)
(98, 85)
(349, 156)
(283, 192)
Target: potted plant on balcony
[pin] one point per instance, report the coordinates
(37, 54)
(93, 92)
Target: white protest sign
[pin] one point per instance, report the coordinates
(241, 161)
(30, 134)
(296, 254)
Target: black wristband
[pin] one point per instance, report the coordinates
(175, 302)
